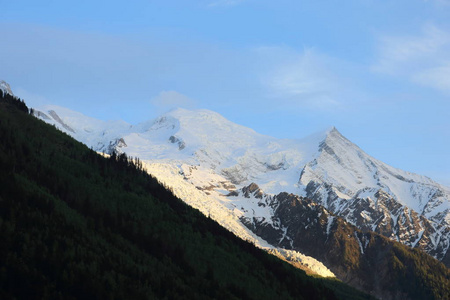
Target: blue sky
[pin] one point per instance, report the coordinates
(377, 70)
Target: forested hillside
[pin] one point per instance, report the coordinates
(76, 225)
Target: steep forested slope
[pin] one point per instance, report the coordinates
(77, 225)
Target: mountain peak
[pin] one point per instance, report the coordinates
(334, 137)
(5, 87)
(333, 132)
(204, 123)
(326, 136)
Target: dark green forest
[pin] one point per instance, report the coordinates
(77, 225)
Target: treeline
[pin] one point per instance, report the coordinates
(77, 225)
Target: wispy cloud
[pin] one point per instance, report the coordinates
(306, 78)
(423, 59)
(166, 100)
(437, 77)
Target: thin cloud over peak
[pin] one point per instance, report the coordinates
(167, 100)
(423, 58)
(305, 78)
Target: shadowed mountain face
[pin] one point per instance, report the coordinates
(325, 167)
(363, 259)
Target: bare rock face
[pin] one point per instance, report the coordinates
(375, 210)
(176, 140)
(116, 145)
(252, 189)
(361, 258)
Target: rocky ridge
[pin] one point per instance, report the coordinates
(361, 258)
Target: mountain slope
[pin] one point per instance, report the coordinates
(77, 225)
(325, 167)
(403, 206)
(366, 260)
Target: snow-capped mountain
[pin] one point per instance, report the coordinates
(183, 168)
(406, 207)
(202, 151)
(4, 86)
